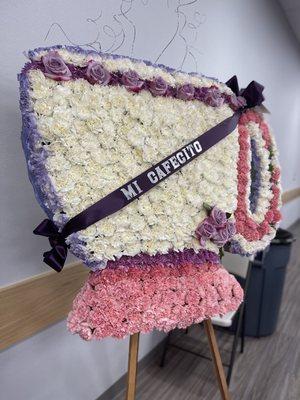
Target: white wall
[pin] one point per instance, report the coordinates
(249, 38)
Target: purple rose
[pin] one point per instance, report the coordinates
(158, 87)
(231, 229)
(205, 230)
(55, 67)
(237, 102)
(132, 81)
(96, 73)
(201, 93)
(218, 216)
(186, 92)
(213, 97)
(221, 237)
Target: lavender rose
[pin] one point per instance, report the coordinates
(205, 230)
(132, 81)
(221, 237)
(224, 234)
(231, 229)
(213, 97)
(55, 67)
(200, 93)
(186, 92)
(237, 102)
(158, 87)
(97, 73)
(218, 216)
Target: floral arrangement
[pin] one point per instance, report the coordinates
(92, 122)
(153, 293)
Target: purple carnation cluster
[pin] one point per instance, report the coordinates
(216, 227)
(42, 185)
(255, 176)
(54, 67)
(172, 257)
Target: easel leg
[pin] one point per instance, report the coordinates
(132, 366)
(210, 333)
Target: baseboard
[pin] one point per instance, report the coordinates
(120, 384)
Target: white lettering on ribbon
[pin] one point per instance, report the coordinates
(197, 146)
(131, 191)
(172, 163)
(152, 177)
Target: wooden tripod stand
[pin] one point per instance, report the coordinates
(133, 357)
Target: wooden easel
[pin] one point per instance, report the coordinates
(132, 366)
(133, 357)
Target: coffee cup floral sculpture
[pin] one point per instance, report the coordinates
(146, 174)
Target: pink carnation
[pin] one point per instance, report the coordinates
(270, 216)
(245, 225)
(276, 174)
(277, 215)
(158, 299)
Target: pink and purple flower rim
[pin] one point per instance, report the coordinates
(216, 227)
(55, 68)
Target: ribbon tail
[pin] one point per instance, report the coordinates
(46, 228)
(56, 257)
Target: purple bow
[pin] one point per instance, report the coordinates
(56, 257)
(252, 94)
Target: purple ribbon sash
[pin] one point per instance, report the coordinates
(141, 184)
